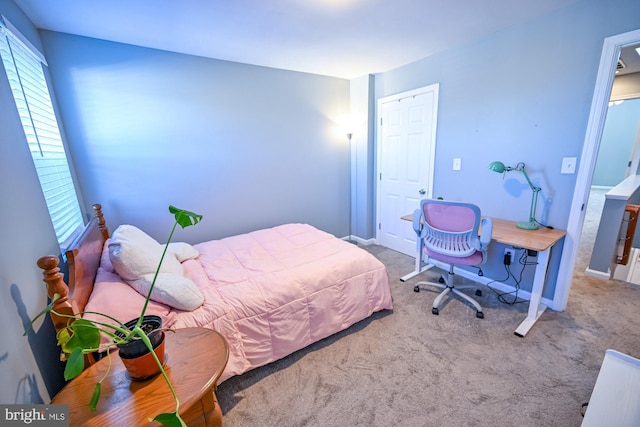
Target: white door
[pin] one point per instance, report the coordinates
(406, 151)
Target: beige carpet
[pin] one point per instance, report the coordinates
(411, 368)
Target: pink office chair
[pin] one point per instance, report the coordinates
(448, 232)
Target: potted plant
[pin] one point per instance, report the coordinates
(81, 337)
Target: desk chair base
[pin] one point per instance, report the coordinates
(446, 283)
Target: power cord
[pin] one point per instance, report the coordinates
(543, 225)
(523, 261)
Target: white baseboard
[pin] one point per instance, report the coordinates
(598, 274)
(360, 240)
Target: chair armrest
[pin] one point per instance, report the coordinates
(485, 234)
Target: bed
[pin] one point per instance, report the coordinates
(270, 292)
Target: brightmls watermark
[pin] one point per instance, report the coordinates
(34, 415)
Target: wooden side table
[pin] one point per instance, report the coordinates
(196, 358)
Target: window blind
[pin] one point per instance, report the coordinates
(24, 70)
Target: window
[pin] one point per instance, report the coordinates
(24, 69)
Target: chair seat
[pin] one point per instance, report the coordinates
(473, 259)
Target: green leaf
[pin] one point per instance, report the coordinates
(84, 335)
(185, 218)
(75, 364)
(63, 336)
(96, 396)
(169, 420)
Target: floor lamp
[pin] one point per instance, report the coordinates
(349, 136)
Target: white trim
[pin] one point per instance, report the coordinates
(598, 274)
(625, 189)
(22, 39)
(435, 88)
(360, 240)
(409, 93)
(599, 105)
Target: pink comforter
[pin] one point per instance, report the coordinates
(274, 291)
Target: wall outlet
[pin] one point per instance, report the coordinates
(457, 164)
(508, 256)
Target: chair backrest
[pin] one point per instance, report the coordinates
(450, 228)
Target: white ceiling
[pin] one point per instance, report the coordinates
(341, 38)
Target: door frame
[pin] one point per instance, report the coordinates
(599, 104)
(435, 87)
(635, 151)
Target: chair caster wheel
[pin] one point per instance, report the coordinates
(480, 315)
(416, 288)
(434, 311)
(478, 293)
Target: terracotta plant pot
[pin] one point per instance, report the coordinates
(145, 366)
(135, 355)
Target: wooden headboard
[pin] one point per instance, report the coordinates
(83, 260)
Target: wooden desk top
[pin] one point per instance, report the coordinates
(538, 240)
(507, 233)
(196, 358)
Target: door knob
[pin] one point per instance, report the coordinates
(422, 192)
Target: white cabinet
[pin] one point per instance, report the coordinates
(615, 400)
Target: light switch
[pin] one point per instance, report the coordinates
(569, 165)
(457, 164)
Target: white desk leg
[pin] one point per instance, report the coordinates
(415, 272)
(418, 267)
(536, 308)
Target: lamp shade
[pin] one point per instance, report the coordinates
(497, 167)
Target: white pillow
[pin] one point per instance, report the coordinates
(174, 290)
(182, 251)
(135, 256)
(134, 253)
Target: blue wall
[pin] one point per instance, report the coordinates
(246, 146)
(250, 146)
(519, 95)
(29, 366)
(618, 137)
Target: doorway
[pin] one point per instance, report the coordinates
(406, 155)
(617, 160)
(604, 82)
